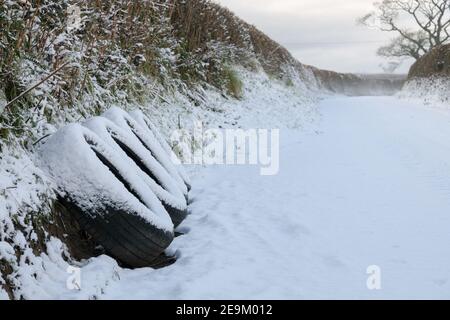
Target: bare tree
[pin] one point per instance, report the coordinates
(404, 47)
(419, 26)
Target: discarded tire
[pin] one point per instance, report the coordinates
(111, 202)
(147, 124)
(149, 141)
(141, 160)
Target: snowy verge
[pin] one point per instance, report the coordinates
(26, 195)
(432, 92)
(265, 103)
(47, 276)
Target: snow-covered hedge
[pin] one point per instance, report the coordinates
(434, 91)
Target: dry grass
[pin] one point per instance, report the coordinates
(233, 83)
(122, 46)
(202, 21)
(434, 63)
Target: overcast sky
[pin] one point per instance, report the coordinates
(322, 33)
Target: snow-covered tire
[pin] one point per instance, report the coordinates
(141, 160)
(126, 237)
(112, 203)
(149, 141)
(148, 124)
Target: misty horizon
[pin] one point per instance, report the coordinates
(322, 34)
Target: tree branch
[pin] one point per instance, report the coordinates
(34, 87)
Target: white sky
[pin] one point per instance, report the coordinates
(322, 33)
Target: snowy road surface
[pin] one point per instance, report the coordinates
(370, 186)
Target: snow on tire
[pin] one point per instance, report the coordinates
(141, 160)
(148, 140)
(112, 203)
(146, 123)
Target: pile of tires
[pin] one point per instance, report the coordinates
(116, 176)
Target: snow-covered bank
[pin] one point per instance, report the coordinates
(368, 185)
(265, 102)
(429, 79)
(433, 92)
(26, 191)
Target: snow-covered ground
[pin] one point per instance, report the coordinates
(368, 185)
(432, 92)
(27, 190)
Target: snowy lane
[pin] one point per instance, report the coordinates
(379, 190)
(370, 186)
